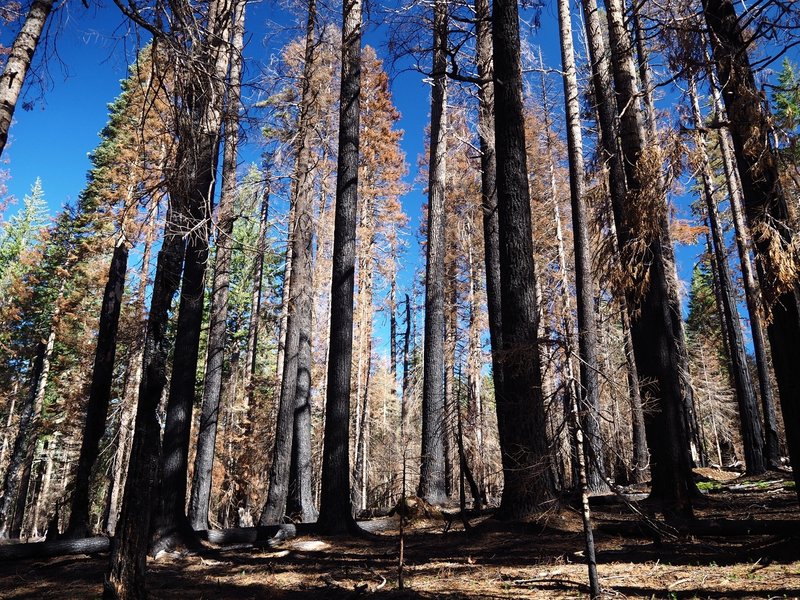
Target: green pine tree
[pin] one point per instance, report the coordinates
(21, 231)
(787, 97)
(786, 109)
(703, 319)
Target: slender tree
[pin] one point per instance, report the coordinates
(752, 436)
(256, 298)
(755, 307)
(491, 235)
(130, 389)
(640, 454)
(215, 353)
(589, 393)
(432, 468)
(296, 381)
(100, 390)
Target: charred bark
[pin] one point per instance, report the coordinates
(100, 390)
(589, 391)
(133, 379)
(300, 501)
(652, 300)
(296, 381)
(336, 513)
(15, 482)
(432, 484)
(641, 456)
(520, 412)
(171, 524)
(769, 215)
(752, 292)
(491, 235)
(126, 577)
(212, 385)
(752, 436)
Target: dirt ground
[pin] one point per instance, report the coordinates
(541, 559)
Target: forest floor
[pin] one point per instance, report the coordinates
(541, 559)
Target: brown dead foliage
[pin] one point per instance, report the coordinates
(779, 252)
(413, 508)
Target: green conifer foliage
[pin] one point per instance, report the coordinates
(787, 98)
(21, 231)
(703, 320)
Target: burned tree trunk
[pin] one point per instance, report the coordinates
(650, 128)
(641, 224)
(212, 386)
(432, 485)
(171, 523)
(641, 456)
(752, 437)
(335, 506)
(100, 390)
(130, 390)
(491, 235)
(126, 577)
(752, 292)
(300, 500)
(655, 331)
(589, 392)
(296, 380)
(520, 412)
(769, 215)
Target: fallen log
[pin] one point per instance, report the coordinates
(20, 551)
(256, 535)
(272, 534)
(269, 535)
(247, 535)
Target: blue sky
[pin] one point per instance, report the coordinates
(52, 139)
(90, 55)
